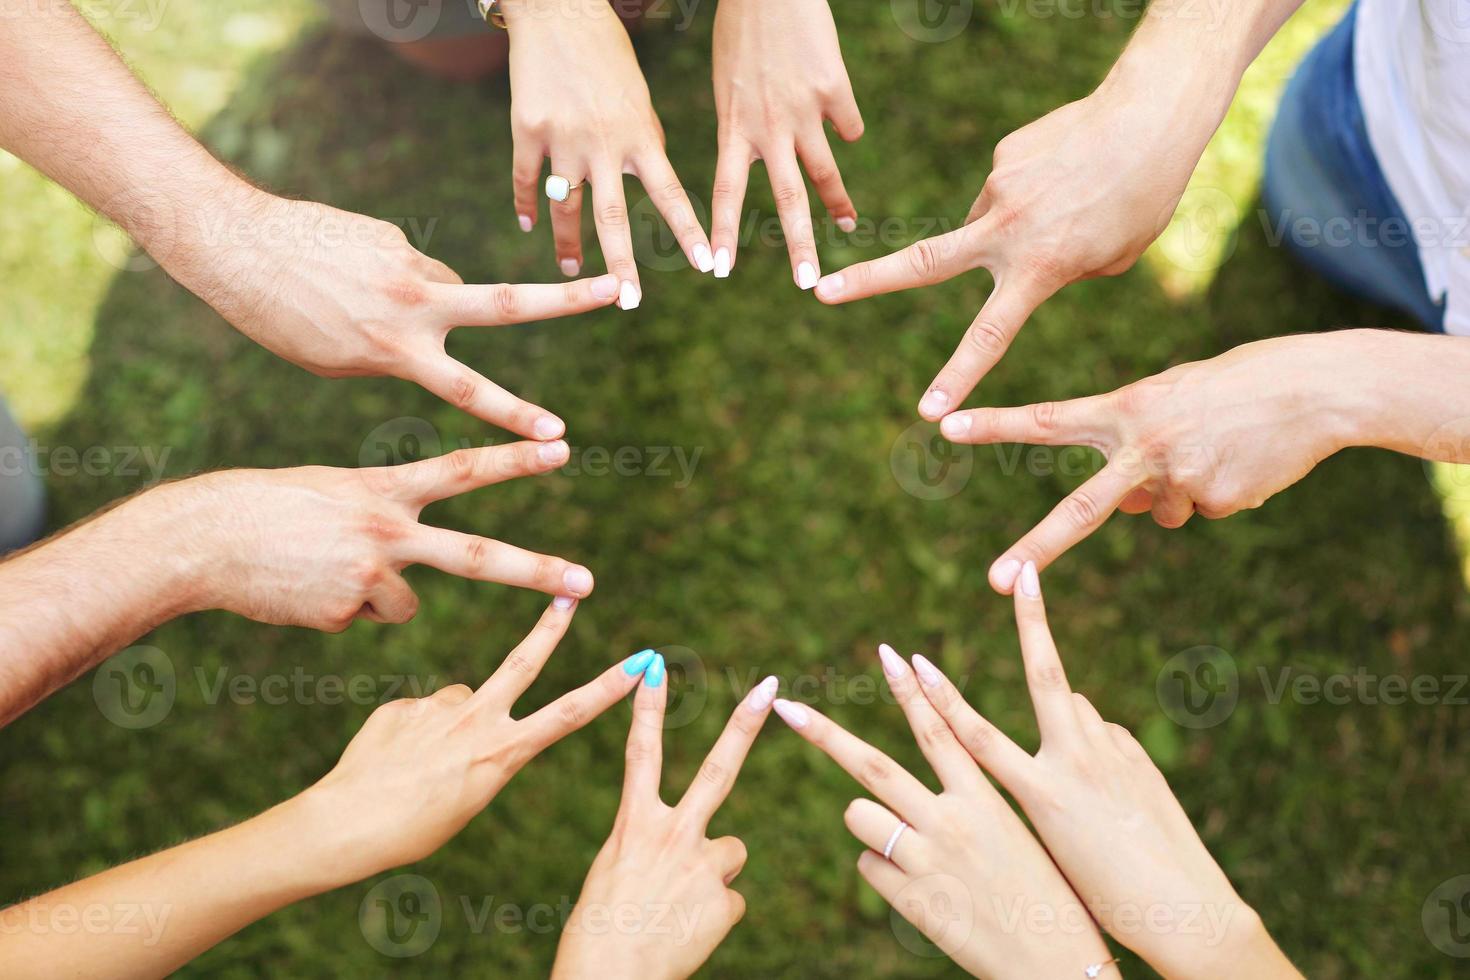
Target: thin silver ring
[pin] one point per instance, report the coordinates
(893, 840)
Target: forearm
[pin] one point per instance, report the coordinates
(151, 916)
(73, 600)
(1407, 392)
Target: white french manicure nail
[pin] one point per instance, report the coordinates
(570, 268)
(847, 224)
(1030, 581)
(525, 222)
(806, 275)
(703, 261)
(893, 664)
(629, 297)
(722, 264)
(762, 695)
(792, 713)
(928, 673)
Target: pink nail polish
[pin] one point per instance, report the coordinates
(525, 222)
(928, 673)
(762, 695)
(893, 664)
(792, 713)
(563, 602)
(1030, 581)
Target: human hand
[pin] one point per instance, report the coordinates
(422, 768)
(658, 871)
(1109, 819)
(778, 74)
(1211, 437)
(1070, 197)
(579, 97)
(344, 295)
(321, 547)
(965, 871)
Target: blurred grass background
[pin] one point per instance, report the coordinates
(794, 550)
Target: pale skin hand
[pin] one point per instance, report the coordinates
(967, 873)
(579, 97)
(1109, 819)
(1081, 192)
(778, 74)
(658, 900)
(313, 546)
(1220, 436)
(413, 777)
(337, 293)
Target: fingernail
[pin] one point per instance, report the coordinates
(762, 695)
(563, 602)
(928, 673)
(525, 221)
(847, 224)
(654, 676)
(1003, 574)
(570, 268)
(893, 664)
(548, 427)
(629, 297)
(831, 286)
(806, 275)
(722, 264)
(792, 713)
(638, 663)
(577, 580)
(703, 261)
(934, 403)
(605, 287)
(1030, 581)
(552, 452)
(955, 426)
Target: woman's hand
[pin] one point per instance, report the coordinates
(966, 871)
(578, 97)
(1109, 820)
(321, 547)
(778, 74)
(658, 899)
(344, 295)
(1212, 437)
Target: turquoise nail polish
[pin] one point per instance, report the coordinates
(654, 676)
(638, 663)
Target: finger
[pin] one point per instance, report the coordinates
(795, 211)
(663, 186)
(464, 470)
(392, 601)
(989, 746)
(951, 763)
(1172, 507)
(736, 907)
(443, 376)
(644, 755)
(988, 338)
(845, 116)
(1051, 696)
(615, 235)
(454, 694)
(504, 303)
(1072, 520)
(885, 877)
(523, 665)
(1079, 422)
(732, 173)
(573, 710)
(821, 167)
(436, 271)
(566, 232)
(729, 855)
(717, 775)
(526, 179)
(1087, 717)
(485, 560)
(1140, 501)
(877, 773)
(875, 825)
(924, 263)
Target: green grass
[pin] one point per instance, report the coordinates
(795, 548)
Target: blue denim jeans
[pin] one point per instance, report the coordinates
(1325, 192)
(22, 495)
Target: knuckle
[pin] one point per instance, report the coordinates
(713, 773)
(520, 664)
(1045, 415)
(923, 259)
(822, 173)
(986, 338)
(476, 554)
(1049, 678)
(365, 574)
(938, 733)
(406, 292)
(874, 772)
(548, 569)
(571, 713)
(460, 465)
(788, 198)
(979, 738)
(463, 392)
(1081, 510)
(506, 301)
(615, 213)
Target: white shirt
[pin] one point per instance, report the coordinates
(1412, 59)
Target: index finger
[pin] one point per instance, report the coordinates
(1051, 695)
(986, 341)
(877, 773)
(1079, 422)
(924, 263)
(464, 470)
(1072, 520)
(505, 303)
(644, 756)
(523, 665)
(615, 235)
(717, 775)
(575, 709)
